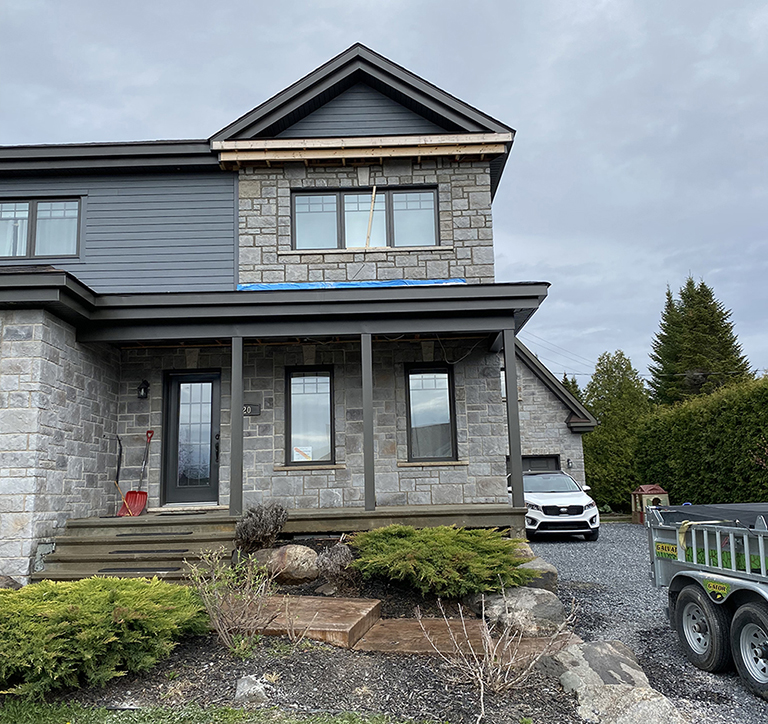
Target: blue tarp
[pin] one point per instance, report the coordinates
(262, 287)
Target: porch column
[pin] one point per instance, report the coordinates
(236, 430)
(513, 420)
(368, 459)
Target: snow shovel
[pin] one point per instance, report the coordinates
(117, 474)
(135, 501)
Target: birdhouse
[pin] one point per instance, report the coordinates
(647, 495)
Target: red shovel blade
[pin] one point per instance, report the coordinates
(135, 502)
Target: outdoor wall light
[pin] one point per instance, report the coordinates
(569, 462)
(142, 391)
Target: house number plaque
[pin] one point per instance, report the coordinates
(251, 410)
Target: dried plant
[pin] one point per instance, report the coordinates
(494, 664)
(295, 635)
(334, 564)
(235, 597)
(259, 527)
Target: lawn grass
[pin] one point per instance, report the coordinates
(17, 711)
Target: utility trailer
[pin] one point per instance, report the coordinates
(713, 560)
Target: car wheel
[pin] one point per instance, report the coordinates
(592, 535)
(749, 643)
(702, 628)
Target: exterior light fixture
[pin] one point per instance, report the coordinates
(142, 391)
(569, 463)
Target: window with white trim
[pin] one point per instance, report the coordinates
(376, 218)
(39, 228)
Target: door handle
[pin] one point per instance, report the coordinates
(216, 446)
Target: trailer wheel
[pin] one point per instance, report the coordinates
(749, 642)
(702, 628)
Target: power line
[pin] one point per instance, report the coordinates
(552, 344)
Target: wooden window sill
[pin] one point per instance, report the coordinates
(434, 464)
(299, 468)
(366, 250)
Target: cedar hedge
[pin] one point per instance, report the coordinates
(710, 449)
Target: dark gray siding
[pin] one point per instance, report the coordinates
(360, 111)
(146, 233)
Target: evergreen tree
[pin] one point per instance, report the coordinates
(695, 350)
(572, 386)
(617, 397)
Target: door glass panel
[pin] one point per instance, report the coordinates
(310, 417)
(430, 409)
(195, 403)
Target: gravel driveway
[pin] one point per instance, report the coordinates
(609, 581)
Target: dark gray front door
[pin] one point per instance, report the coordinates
(191, 471)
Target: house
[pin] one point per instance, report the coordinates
(324, 266)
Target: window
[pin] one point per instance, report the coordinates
(431, 415)
(351, 220)
(310, 416)
(39, 228)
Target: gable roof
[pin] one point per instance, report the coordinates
(580, 418)
(361, 70)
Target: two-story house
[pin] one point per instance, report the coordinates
(302, 307)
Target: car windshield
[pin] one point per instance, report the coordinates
(550, 483)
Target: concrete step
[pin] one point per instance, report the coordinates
(103, 546)
(172, 574)
(157, 523)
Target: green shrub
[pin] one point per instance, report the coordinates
(55, 635)
(444, 561)
(709, 449)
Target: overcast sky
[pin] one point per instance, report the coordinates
(642, 126)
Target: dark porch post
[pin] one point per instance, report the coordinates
(513, 420)
(368, 459)
(236, 430)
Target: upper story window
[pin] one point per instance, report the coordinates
(39, 228)
(351, 220)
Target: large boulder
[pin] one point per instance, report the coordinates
(8, 582)
(609, 684)
(531, 611)
(291, 564)
(546, 574)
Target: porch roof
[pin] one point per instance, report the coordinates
(181, 316)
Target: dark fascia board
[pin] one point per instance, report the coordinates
(43, 287)
(123, 156)
(358, 59)
(580, 418)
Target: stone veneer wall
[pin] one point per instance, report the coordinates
(58, 400)
(464, 205)
(543, 430)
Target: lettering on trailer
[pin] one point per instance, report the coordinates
(717, 590)
(666, 550)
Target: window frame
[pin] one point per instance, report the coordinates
(389, 215)
(32, 225)
(427, 367)
(289, 373)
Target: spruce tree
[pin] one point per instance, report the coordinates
(572, 386)
(617, 397)
(695, 350)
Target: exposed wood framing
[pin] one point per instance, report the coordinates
(443, 139)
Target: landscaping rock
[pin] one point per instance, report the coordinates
(252, 689)
(547, 574)
(531, 611)
(8, 582)
(610, 686)
(291, 564)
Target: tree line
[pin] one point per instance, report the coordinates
(697, 428)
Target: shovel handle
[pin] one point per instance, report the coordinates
(150, 434)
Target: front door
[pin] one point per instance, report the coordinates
(191, 470)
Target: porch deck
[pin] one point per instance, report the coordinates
(160, 542)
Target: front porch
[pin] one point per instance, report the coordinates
(161, 543)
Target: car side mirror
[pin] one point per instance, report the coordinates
(585, 488)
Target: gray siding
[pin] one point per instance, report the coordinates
(360, 111)
(146, 233)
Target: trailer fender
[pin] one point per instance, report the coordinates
(722, 590)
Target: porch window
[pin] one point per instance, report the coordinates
(375, 218)
(431, 414)
(39, 228)
(310, 416)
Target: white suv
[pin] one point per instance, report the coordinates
(558, 504)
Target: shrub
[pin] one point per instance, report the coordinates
(335, 565)
(444, 561)
(259, 527)
(56, 635)
(235, 597)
